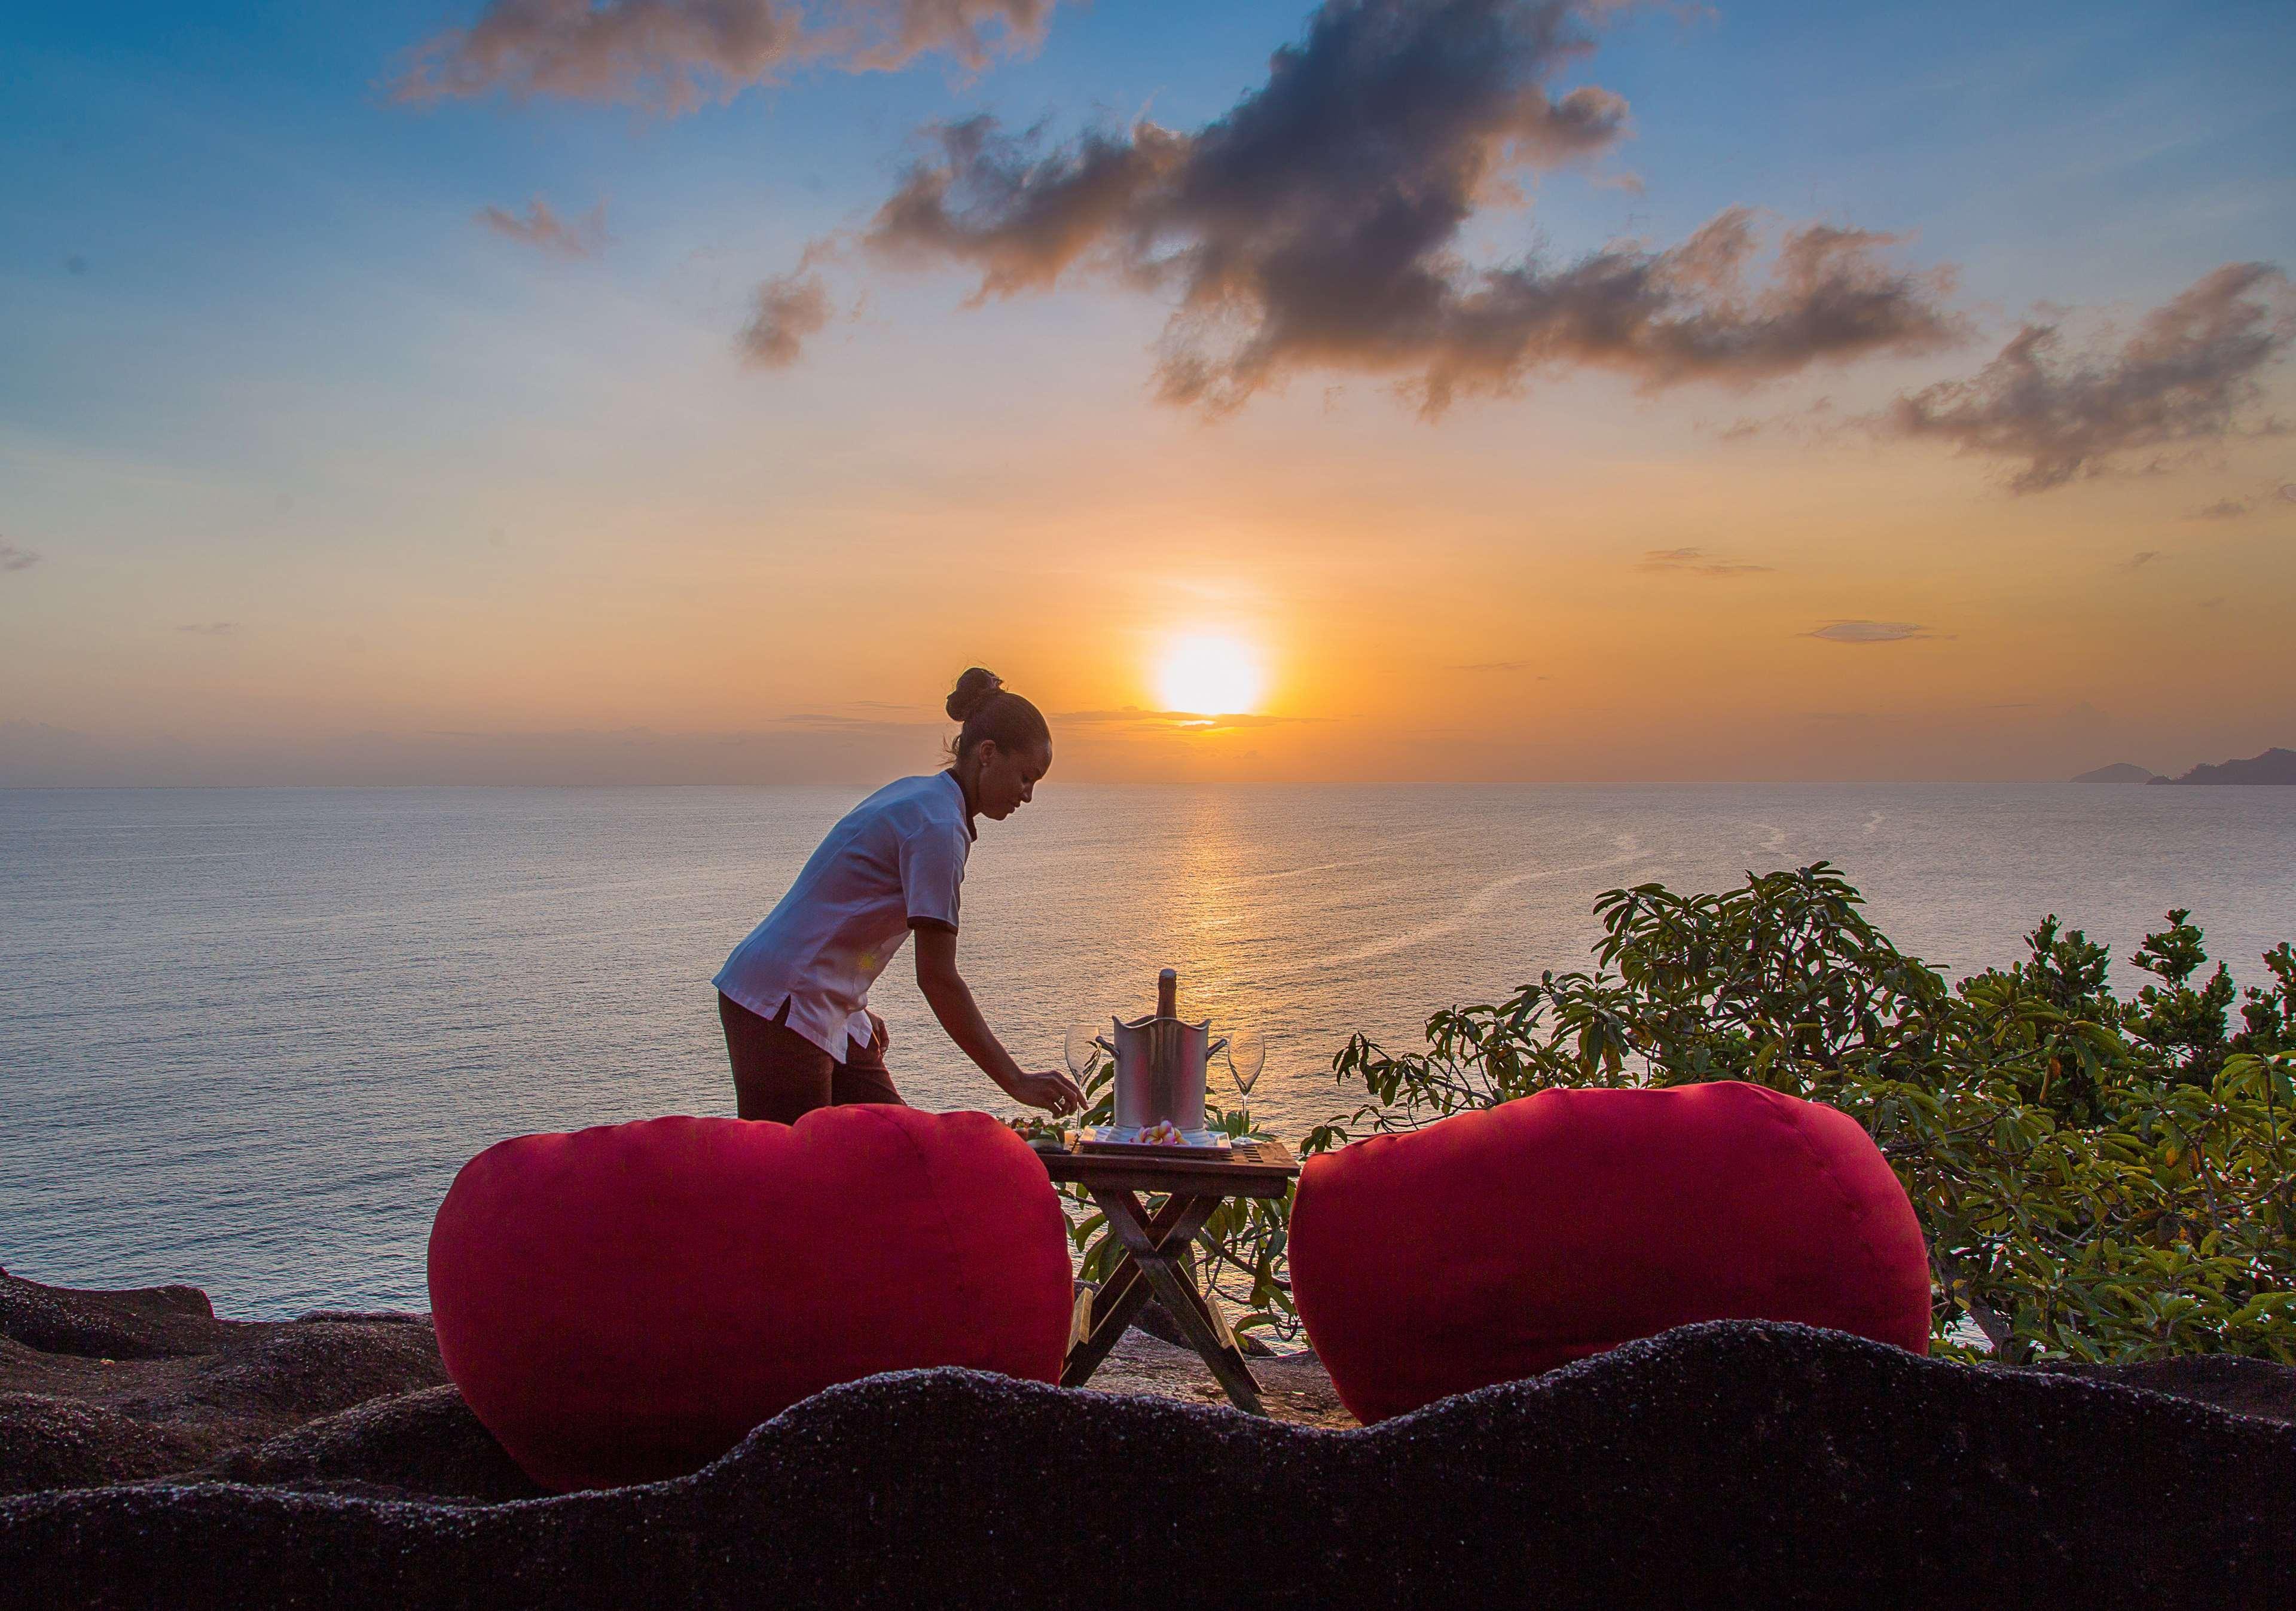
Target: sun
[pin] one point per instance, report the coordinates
(1209, 676)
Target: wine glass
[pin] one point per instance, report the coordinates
(1081, 1048)
(1247, 1054)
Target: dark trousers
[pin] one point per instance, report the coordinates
(779, 1075)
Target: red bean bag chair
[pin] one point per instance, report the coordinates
(1495, 1245)
(625, 1304)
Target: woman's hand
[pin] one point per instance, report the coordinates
(946, 993)
(1051, 1089)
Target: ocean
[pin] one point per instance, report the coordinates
(248, 1036)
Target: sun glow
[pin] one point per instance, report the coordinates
(1209, 676)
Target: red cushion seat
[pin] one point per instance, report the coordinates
(1492, 1246)
(625, 1304)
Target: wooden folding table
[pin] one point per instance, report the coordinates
(1156, 1248)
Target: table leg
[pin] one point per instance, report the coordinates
(1126, 1292)
(1160, 1260)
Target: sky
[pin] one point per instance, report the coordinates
(502, 391)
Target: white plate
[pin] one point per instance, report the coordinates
(1128, 1136)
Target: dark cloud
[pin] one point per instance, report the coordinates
(2223, 509)
(673, 54)
(542, 228)
(1697, 561)
(2288, 492)
(1869, 631)
(2182, 376)
(1498, 666)
(2142, 558)
(1318, 226)
(790, 308)
(12, 557)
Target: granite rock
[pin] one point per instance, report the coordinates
(1726, 1463)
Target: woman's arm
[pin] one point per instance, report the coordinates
(951, 1000)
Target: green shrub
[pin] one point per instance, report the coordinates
(2097, 1179)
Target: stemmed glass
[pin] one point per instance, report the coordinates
(1247, 1054)
(1088, 1061)
(1081, 1048)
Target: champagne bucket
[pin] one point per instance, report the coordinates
(1160, 1067)
(1160, 1072)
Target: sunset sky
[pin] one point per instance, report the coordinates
(655, 390)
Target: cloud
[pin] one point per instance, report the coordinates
(811, 720)
(542, 228)
(12, 557)
(1498, 666)
(672, 55)
(2184, 376)
(1697, 561)
(2288, 492)
(1803, 424)
(210, 629)
(790, 308)
(1132, 716)
(35, 755)
(2140, 559)
(1869, 631)
(2223, 509)
(1318, 225)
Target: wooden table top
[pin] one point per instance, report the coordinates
(1250, 1169)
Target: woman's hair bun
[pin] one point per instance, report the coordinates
(974, 690)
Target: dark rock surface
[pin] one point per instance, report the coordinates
(414, 1445)
(426, 1445)
(307, 1367)
(153, 1322)
(339, 1401)
(47, 1442)
(117, 1386)
(1729, 1463)
(2245, 1386)
(323, 1458)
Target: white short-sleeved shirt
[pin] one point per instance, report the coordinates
(893, 864)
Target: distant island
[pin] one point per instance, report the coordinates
(2273, 766)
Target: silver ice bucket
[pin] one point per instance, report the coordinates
(1159, 1063)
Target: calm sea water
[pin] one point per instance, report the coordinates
(248, 1036)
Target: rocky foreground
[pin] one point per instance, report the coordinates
(159, 1456)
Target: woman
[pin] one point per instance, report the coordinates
(794, 996)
